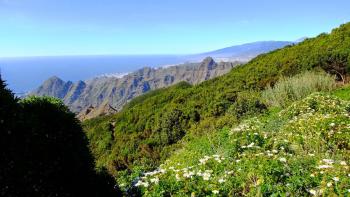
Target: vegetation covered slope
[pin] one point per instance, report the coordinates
(44, 151)
(147, 130)
(304, 149)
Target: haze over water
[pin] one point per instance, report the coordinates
(27, 73)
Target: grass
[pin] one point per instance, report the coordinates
(343, 92)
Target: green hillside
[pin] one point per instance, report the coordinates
(301, 150)
(153, 127)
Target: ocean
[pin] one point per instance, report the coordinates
(27, 73)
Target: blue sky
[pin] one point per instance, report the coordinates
(87, 27)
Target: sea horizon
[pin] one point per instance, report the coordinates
(24, 74)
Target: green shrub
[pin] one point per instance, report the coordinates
(247, 103)
(290, 89)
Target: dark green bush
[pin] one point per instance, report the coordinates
(44, 151)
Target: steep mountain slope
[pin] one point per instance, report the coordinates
(150, 127)
(104, 95)
(246, 52)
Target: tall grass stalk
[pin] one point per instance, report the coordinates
(289, 89)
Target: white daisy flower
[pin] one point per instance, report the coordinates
(284, 160)
(313, 192)
(215, 192)
(221, 181)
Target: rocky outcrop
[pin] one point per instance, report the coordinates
(105, 95)
(55, 86)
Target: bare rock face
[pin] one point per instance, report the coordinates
(54, 86)
(106, 95)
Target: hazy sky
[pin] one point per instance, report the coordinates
(71, 27)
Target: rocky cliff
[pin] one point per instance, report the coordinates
(104, 95)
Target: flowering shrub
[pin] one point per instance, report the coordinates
(307, 153)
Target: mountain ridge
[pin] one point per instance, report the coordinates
(105, 95)
(247, 51)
